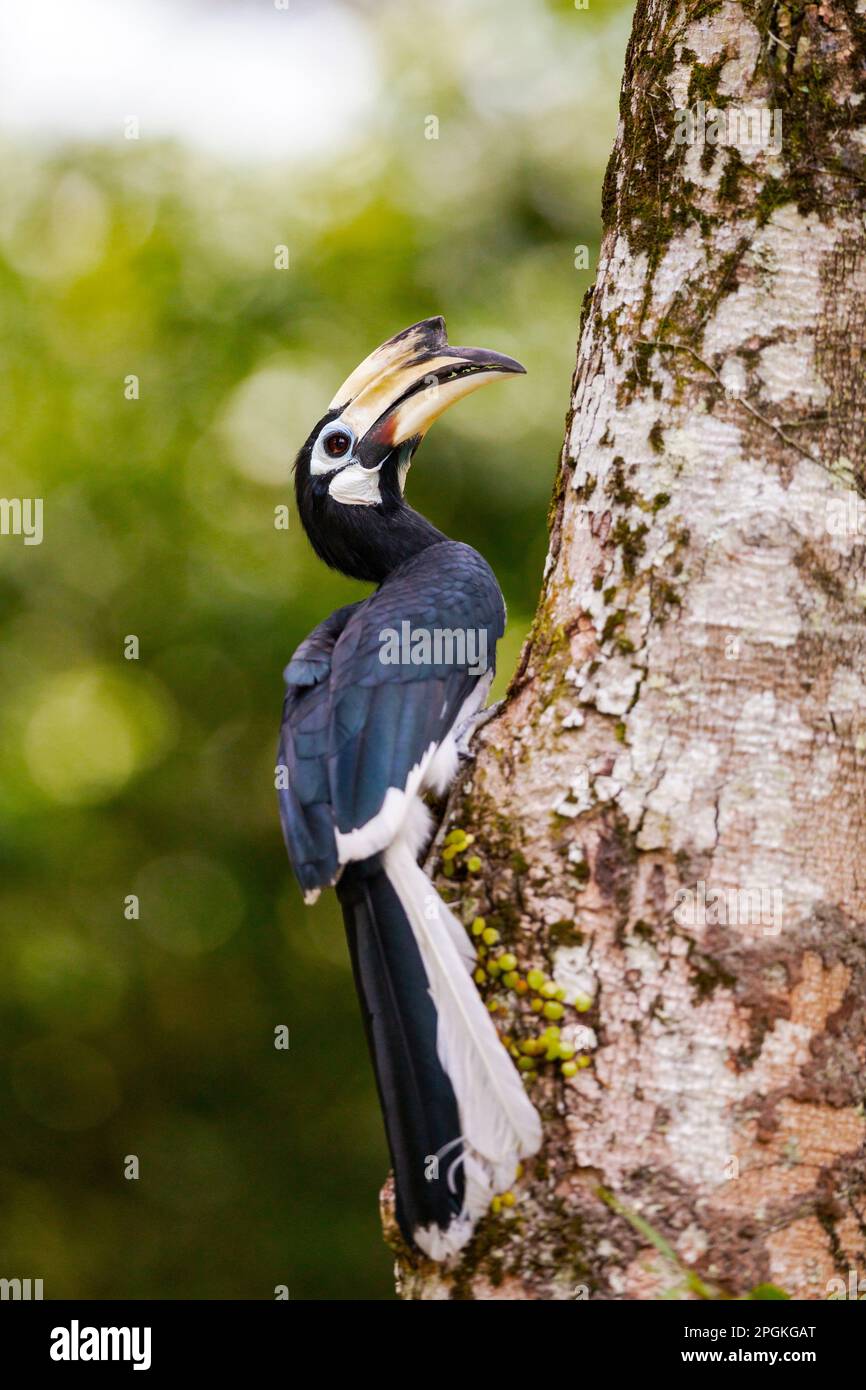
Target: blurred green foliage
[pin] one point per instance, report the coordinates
(154, 777)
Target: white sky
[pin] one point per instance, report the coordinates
(240, 81)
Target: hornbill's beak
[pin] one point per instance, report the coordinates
(401, 388)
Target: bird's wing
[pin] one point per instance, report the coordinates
(311, 662)
(304, 796)
(388, 719)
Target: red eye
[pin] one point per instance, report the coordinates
(337, 444)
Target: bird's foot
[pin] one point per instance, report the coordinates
(470, 727)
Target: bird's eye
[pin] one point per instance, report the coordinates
(337, 444)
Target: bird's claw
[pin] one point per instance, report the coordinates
(470, 727)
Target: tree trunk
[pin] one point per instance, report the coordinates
(669, 810)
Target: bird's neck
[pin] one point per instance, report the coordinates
(366, 543)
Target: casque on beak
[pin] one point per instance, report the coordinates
(407, 383)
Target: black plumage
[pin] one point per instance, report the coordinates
(417, 1098)
(353, 726)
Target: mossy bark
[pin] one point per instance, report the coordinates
(690, 708)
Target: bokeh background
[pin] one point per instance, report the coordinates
(259, 125)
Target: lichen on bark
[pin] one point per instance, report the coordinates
(690, 708)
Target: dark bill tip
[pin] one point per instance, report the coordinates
(485, 360)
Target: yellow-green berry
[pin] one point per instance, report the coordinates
(508, 961)
(490, 936)
(534, 979)
(478, 925)
(553, 1010)
(473, 864)
(548, 989)
(509, 1199)
(569, 1068)
(479, 976)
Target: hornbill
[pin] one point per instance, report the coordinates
(363, 738)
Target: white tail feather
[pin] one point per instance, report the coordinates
(499, 1122)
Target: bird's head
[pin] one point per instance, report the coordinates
(350, 473)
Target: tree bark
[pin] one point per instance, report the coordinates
(690, 708)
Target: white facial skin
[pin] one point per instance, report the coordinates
(356, 486)
(351, 484)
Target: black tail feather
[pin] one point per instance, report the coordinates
(418, 1102)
